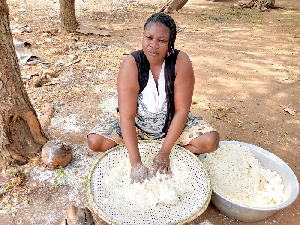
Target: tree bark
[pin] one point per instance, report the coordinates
(20, 132)
(259, 4)
(68, 20)
(173, 5)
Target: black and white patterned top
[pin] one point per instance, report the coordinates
(152, 105)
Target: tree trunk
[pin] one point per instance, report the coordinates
(68, 20)
(20, 132)
(259, 4)
(173, 5)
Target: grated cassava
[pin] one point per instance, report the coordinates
(236, 174)
(160, 189)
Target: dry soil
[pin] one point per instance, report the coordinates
(247, 71)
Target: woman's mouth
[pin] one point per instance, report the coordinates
(153, 53)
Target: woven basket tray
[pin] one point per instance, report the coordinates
(118, 211)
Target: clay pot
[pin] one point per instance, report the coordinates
(56, 154)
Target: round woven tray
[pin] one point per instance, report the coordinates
(118, 211)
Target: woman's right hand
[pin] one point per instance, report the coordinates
(139, 173)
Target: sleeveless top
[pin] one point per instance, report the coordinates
(152, 105)
(157, 116)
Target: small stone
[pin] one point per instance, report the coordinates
(45, 34)
(39, 81)
(50, 73)
(51, 31)
(56, 154)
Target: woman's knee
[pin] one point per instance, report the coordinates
(212, 141)
(98, 143)
(206, 143)
(94, 142)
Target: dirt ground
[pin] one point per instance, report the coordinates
(247, 72)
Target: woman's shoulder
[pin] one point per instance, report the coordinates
(182, 55)
(177, 56)
(128, 64)
(182, 58)
(183, 64)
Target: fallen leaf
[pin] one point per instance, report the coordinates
(8, 187)
(25, 202)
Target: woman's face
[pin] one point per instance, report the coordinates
(156, 42)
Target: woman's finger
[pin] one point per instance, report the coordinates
(169, 171)
(155, 168)
(161, 169)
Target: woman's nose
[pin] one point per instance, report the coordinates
(154, 43)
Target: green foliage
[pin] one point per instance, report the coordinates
(87, 182)
(236, 14)
(206, 18)
(14, 171)
(61, 173)
(61, 176)
(14, 4)
(227, 15)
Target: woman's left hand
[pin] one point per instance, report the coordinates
(161, 163)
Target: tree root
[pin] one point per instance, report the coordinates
(173, 5)
(34, 127)
(17, 156)
(165, 6)
(258, 4)
(24, 134)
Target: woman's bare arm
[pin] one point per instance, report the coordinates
(128, 90)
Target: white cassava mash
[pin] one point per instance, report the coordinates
(160, 189)
(176, 200)
(237, 174)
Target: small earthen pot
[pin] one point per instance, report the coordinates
(56, 154)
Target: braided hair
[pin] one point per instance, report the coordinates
(167, 21)
(143, 64)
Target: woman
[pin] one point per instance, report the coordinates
(155, 88)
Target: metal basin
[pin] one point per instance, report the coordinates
(252, 214)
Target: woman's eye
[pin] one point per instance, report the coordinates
(162, 41)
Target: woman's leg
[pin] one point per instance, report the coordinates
(205, 143)
(99, 143)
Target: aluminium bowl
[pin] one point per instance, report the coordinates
(252, 214)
